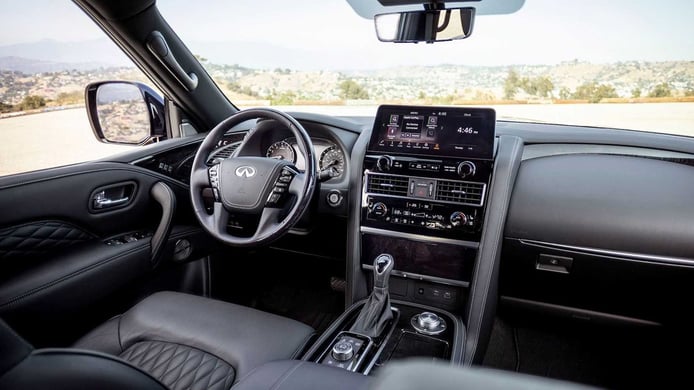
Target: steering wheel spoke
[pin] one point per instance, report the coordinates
(297, 184)
(269, 222)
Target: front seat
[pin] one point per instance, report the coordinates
(190, 342)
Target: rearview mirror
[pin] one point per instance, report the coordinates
(124, 112)
(425, 26)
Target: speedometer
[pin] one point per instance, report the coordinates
(332, 158)
(282, 150)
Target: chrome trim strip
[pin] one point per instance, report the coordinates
(612, 253)
(139, 160)
(412, 275)
(419, 237)
(575, 312)
(368, 173)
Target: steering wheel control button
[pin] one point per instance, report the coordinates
(343, 351)
(428, 323)
(214, 176)
(334, 198)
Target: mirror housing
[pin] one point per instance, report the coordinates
(123, 112)
(429, 25)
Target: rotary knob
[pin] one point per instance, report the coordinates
(384, 163)
(429, 320)
(342, 351)
(466, 169)
(379, 209)
(428, 323)
(458, 218)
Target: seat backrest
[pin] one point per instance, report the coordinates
(22, 367)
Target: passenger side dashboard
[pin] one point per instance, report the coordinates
(601, 233)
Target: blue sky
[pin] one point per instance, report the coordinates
(329, 34)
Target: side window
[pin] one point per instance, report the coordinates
(43, 75)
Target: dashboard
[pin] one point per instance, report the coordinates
(597, 221)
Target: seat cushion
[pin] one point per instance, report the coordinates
(182, 338)
(180, 367)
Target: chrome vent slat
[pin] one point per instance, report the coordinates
(459, 192)
(387, 185)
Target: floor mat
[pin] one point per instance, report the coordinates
(314, 307)
(611, 357)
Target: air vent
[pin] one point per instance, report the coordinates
(460, 192)
(387, 185)
(223, 153)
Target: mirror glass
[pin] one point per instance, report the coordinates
(122, 112)
(425, 26)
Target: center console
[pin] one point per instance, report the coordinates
(426, 176)
(425, 182)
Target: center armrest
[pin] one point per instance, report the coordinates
(301, 375)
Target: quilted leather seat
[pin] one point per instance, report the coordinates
(191, 342)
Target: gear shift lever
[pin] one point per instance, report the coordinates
(376, 313)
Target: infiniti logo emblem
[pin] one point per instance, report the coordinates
(245, 171)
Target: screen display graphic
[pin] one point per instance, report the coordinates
(434, 131)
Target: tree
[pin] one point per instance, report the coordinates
(350, 89)
(4, 107)
(661, 90)
(32, 102)
(543, 86)
(594, 92)
(511, 84)
(636, 93)
(564, 93)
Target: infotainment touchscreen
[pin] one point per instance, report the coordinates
(434, 131)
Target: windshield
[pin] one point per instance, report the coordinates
(623, 63)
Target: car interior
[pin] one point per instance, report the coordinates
(423, 247)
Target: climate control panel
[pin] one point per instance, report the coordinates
(421, 217)
(435, 197)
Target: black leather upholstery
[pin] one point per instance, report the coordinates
(205, 332)
(180, 367)
(31, 240)
(23, 368)
(417, 375)
(301, 375)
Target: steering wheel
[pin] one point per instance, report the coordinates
(255, 185)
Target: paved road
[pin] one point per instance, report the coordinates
(64, 137)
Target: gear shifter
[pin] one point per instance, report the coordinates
(376, 313)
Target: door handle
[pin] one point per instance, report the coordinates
(113, 196)
(102, 202)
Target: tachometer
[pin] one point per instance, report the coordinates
(282, 150)
(332, 158)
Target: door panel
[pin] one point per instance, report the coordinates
(65, 259)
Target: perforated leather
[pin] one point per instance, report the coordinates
(180, 367)
(37, 238)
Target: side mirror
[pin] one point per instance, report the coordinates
(430, 25)
(124, 112)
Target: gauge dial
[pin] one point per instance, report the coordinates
(332, 158)
(282, 150)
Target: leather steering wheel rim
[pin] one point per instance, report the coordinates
(270, 228)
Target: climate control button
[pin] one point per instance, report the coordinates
(458, 218)
(378, 209)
